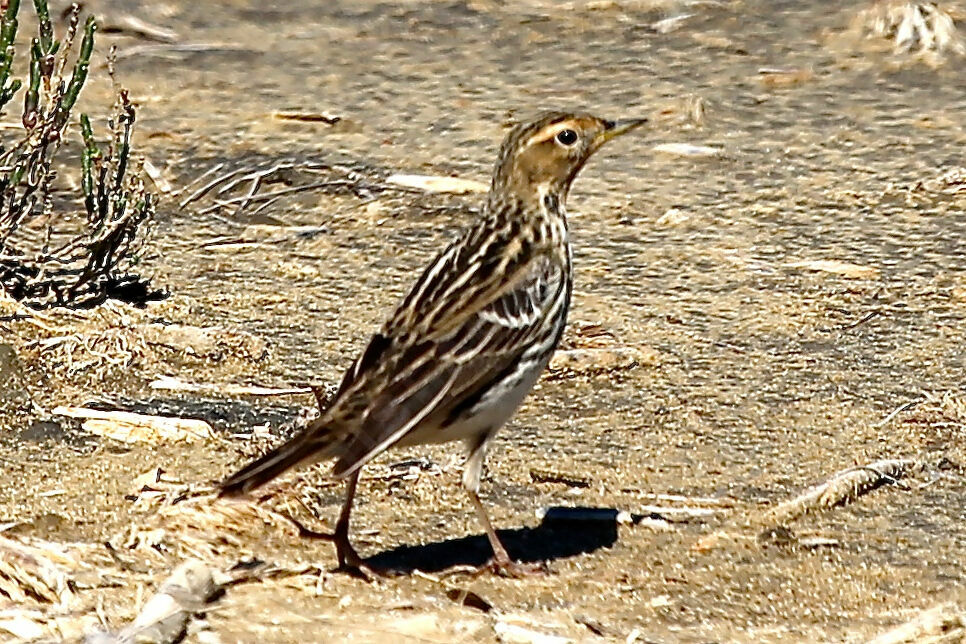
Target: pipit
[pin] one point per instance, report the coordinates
(465, 346)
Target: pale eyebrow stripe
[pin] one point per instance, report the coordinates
(548, 132)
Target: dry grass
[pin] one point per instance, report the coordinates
(80, 352)
(918, 31)
(35, 571)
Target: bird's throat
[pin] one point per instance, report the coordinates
(552, 203)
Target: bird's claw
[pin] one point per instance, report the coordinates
(352, 564)
(514, 569)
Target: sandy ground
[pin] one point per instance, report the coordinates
(765, 314)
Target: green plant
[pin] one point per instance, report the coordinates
(43, 270)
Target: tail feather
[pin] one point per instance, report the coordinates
(301, 449)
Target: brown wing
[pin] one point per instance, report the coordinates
(464, 338)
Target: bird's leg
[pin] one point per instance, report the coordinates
(349, 559)
(501, 562)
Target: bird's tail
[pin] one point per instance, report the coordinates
(310, 445)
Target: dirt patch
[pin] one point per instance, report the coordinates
(746, 324)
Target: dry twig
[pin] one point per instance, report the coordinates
(939, 625)
(842, 488)
(164, 617)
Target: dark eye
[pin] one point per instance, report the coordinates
(566, 137)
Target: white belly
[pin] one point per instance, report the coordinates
(488, 415)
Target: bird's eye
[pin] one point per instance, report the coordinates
(566, 137)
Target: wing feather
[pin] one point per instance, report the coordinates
(422, 379)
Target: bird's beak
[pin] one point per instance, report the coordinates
(616, 128)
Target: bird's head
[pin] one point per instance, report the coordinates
(543, 156)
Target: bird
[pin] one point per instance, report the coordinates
(468, 342)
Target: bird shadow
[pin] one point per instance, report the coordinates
(556, 537)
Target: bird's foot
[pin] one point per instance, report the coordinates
(506, 567)
(349, 560)
(361, 571)
(352, 564)
(308, 533)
